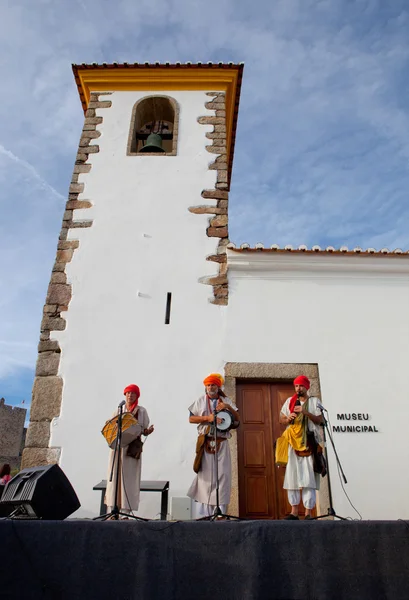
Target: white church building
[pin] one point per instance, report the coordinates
(147, 289)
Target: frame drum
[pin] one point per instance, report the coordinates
(131, 429)
(228, 421)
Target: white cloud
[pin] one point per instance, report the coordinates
(32, 172)
(323, 133)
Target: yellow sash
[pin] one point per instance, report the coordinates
(293, 435)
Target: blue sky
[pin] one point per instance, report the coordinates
(323, 135)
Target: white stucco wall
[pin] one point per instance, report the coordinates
(348, 314)
(143, 239)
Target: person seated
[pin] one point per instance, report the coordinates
(5, 474)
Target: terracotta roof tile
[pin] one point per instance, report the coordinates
(316, 249)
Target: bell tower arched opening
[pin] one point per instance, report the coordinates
(154, 127)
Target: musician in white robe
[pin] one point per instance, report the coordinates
(129, 480)
(203, 488)
(301, 414)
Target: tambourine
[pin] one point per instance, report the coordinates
(131, 429)
(228, 421)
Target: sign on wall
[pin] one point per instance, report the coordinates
(353, 425)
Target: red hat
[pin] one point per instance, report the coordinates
(302, 380)
(133, 388)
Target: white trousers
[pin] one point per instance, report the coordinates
(207, 510)
(308, 497)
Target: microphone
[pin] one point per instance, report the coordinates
(121, 404)
(297, 403)
(319, 405)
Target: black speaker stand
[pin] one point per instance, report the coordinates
(331, 512)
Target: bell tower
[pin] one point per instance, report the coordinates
(139, 286)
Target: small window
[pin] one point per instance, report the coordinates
(153, 126)
(168, 305)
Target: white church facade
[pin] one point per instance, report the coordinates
(147, 289)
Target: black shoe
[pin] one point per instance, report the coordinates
(291, 517)
(307, 517)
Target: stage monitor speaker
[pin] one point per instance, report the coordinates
(4, 509)
(40, 493)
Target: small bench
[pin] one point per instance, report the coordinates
(146, 486)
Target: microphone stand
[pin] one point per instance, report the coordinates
(331, 512)
(116, 460)
(217, 514)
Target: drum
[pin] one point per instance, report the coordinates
(130, 430)
(228, 421)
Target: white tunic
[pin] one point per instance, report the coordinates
(129, 484)
(299, 472)
(203, 488)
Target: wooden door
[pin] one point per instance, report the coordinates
(261, 494)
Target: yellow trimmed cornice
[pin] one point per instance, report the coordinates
(154, 78)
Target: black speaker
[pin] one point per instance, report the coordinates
(4, 509)
(41, 493)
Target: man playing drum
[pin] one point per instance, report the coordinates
(203, 488)
(129, 480)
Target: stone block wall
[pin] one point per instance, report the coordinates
(48, 386)
(217, 198)
(12, 420)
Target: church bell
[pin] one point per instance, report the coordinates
(153, 144)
